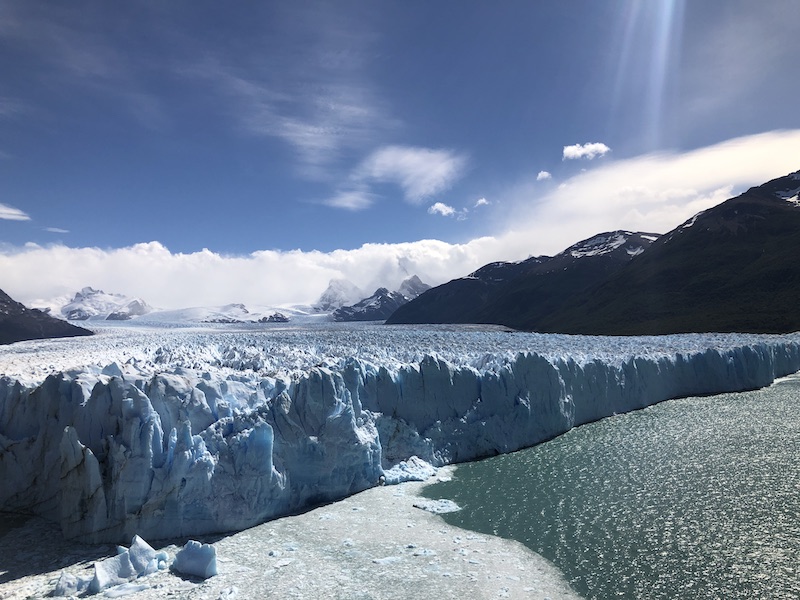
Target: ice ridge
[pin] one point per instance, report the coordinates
(187, 452)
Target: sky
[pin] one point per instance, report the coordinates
(199, 153)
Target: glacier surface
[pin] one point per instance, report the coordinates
(174, 432)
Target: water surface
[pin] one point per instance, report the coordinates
(691, 498)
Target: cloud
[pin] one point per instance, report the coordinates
(544, 174)
(440, 208)
(9, 213)
(174, 280)
(587, 151)
(56, 230)
(351, 200)
(654, 192)
(420, 172)
(482, 202)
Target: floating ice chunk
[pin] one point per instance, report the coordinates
(413, 469)
(438, 507)
(196, 559)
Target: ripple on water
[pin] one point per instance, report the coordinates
(691, 498)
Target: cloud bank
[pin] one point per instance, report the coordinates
(655, 193)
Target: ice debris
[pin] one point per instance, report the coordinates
(199, 560)
(438, 507)
(129, 564)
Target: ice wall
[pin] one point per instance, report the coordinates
(188, 452)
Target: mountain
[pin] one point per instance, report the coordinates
(340, 292)
(521, 294)
(730, 268)
(90, 303)
(18, 323)
(382, 303)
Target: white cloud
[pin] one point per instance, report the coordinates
(56, 230)
(654, 192)
(9, 213)
(543, 175)
(351, 200)
(588, 151)
(440, 208)
(173, 280)
(420, 172)
(482, 202)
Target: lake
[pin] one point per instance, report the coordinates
(690, 498)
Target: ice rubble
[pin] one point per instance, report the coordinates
(190, 432)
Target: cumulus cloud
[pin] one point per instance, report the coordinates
(9, 213)
(482, 202)
(174, 280)
(587, 151)
(420, 172)
(440, 208)
(544, 175)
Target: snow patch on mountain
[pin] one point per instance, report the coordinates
(605, 243)
(340, 292)
(380, 305)
(90, 303)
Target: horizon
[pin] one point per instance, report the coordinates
(201, 156)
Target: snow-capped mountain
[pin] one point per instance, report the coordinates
(90, 303)
(380, 305)
(236, 313)
(519, 294)
(19, 323)
(732, 267)
(340, 292)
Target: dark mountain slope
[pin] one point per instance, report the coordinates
(520, 294)
(523, 302)
(733, 267)
(18, 323)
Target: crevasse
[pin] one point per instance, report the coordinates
(186, 453)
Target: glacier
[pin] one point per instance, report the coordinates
(159, 432)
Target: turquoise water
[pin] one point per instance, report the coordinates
(692, 498)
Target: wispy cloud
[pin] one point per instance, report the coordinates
(587, 151)
(317, 98)
(66, 44)
(420, 172)
(482, 202)
(356, 199)
(9, 213)
(543, 175)
(56, 230)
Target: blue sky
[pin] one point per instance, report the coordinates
(336, 137)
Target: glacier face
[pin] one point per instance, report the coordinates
(171, 433)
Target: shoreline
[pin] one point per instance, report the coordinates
(374, 545)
